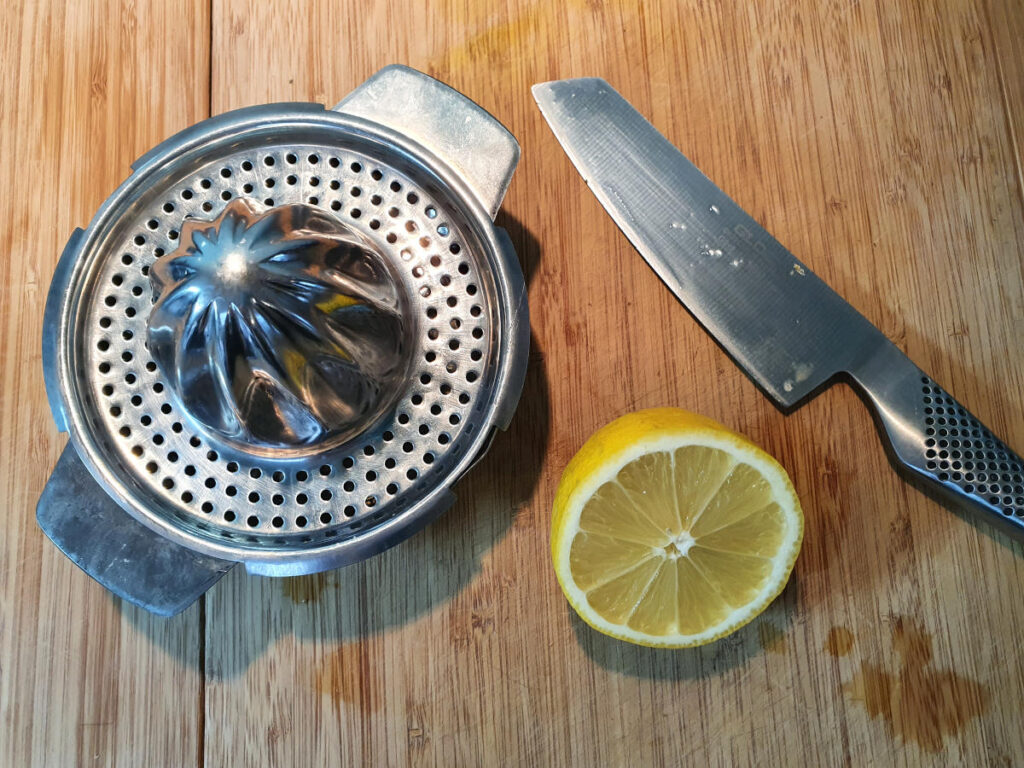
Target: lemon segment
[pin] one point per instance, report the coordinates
(671, 530)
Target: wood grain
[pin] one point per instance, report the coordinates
(84, 679)
(880, 141)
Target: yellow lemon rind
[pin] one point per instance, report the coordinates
(664, 429)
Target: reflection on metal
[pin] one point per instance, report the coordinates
(277, 330)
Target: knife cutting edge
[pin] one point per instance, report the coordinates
(783, 325)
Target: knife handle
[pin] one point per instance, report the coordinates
(938, 439)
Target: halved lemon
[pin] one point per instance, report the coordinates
(671, 530)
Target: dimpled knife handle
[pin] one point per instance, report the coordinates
(938, 439)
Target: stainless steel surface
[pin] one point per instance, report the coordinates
(121, 554)
(787, 329)
(51, 327)
(783, 325)
(373, 299)
(282, 332)
(478, 148)
(939, 440)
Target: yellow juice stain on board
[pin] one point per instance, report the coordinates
(345, 677)
(305, 589)
(772, 638)
(918, 703)
(492, 44)
(839, 641)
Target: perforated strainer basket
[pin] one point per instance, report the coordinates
(282, 340)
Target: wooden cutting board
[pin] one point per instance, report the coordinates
(880, 141)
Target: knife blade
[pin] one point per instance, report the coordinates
(788, 330)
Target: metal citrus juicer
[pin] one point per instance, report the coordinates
(282, 340)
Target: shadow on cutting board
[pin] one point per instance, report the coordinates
(767, 633)
(245, 615)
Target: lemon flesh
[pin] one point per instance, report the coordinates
(671, 530)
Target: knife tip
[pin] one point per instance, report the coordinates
(539, 89)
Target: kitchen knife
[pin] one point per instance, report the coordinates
(784, 326)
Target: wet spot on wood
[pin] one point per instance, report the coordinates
(772, 638)
(839, 641)
(305, 589)
(346, 676)
(490, 45)
(917, 703)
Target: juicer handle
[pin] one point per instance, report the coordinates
(458, 131)
(119, 552)
(941, 442)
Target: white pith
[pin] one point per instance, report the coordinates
(680, 544)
